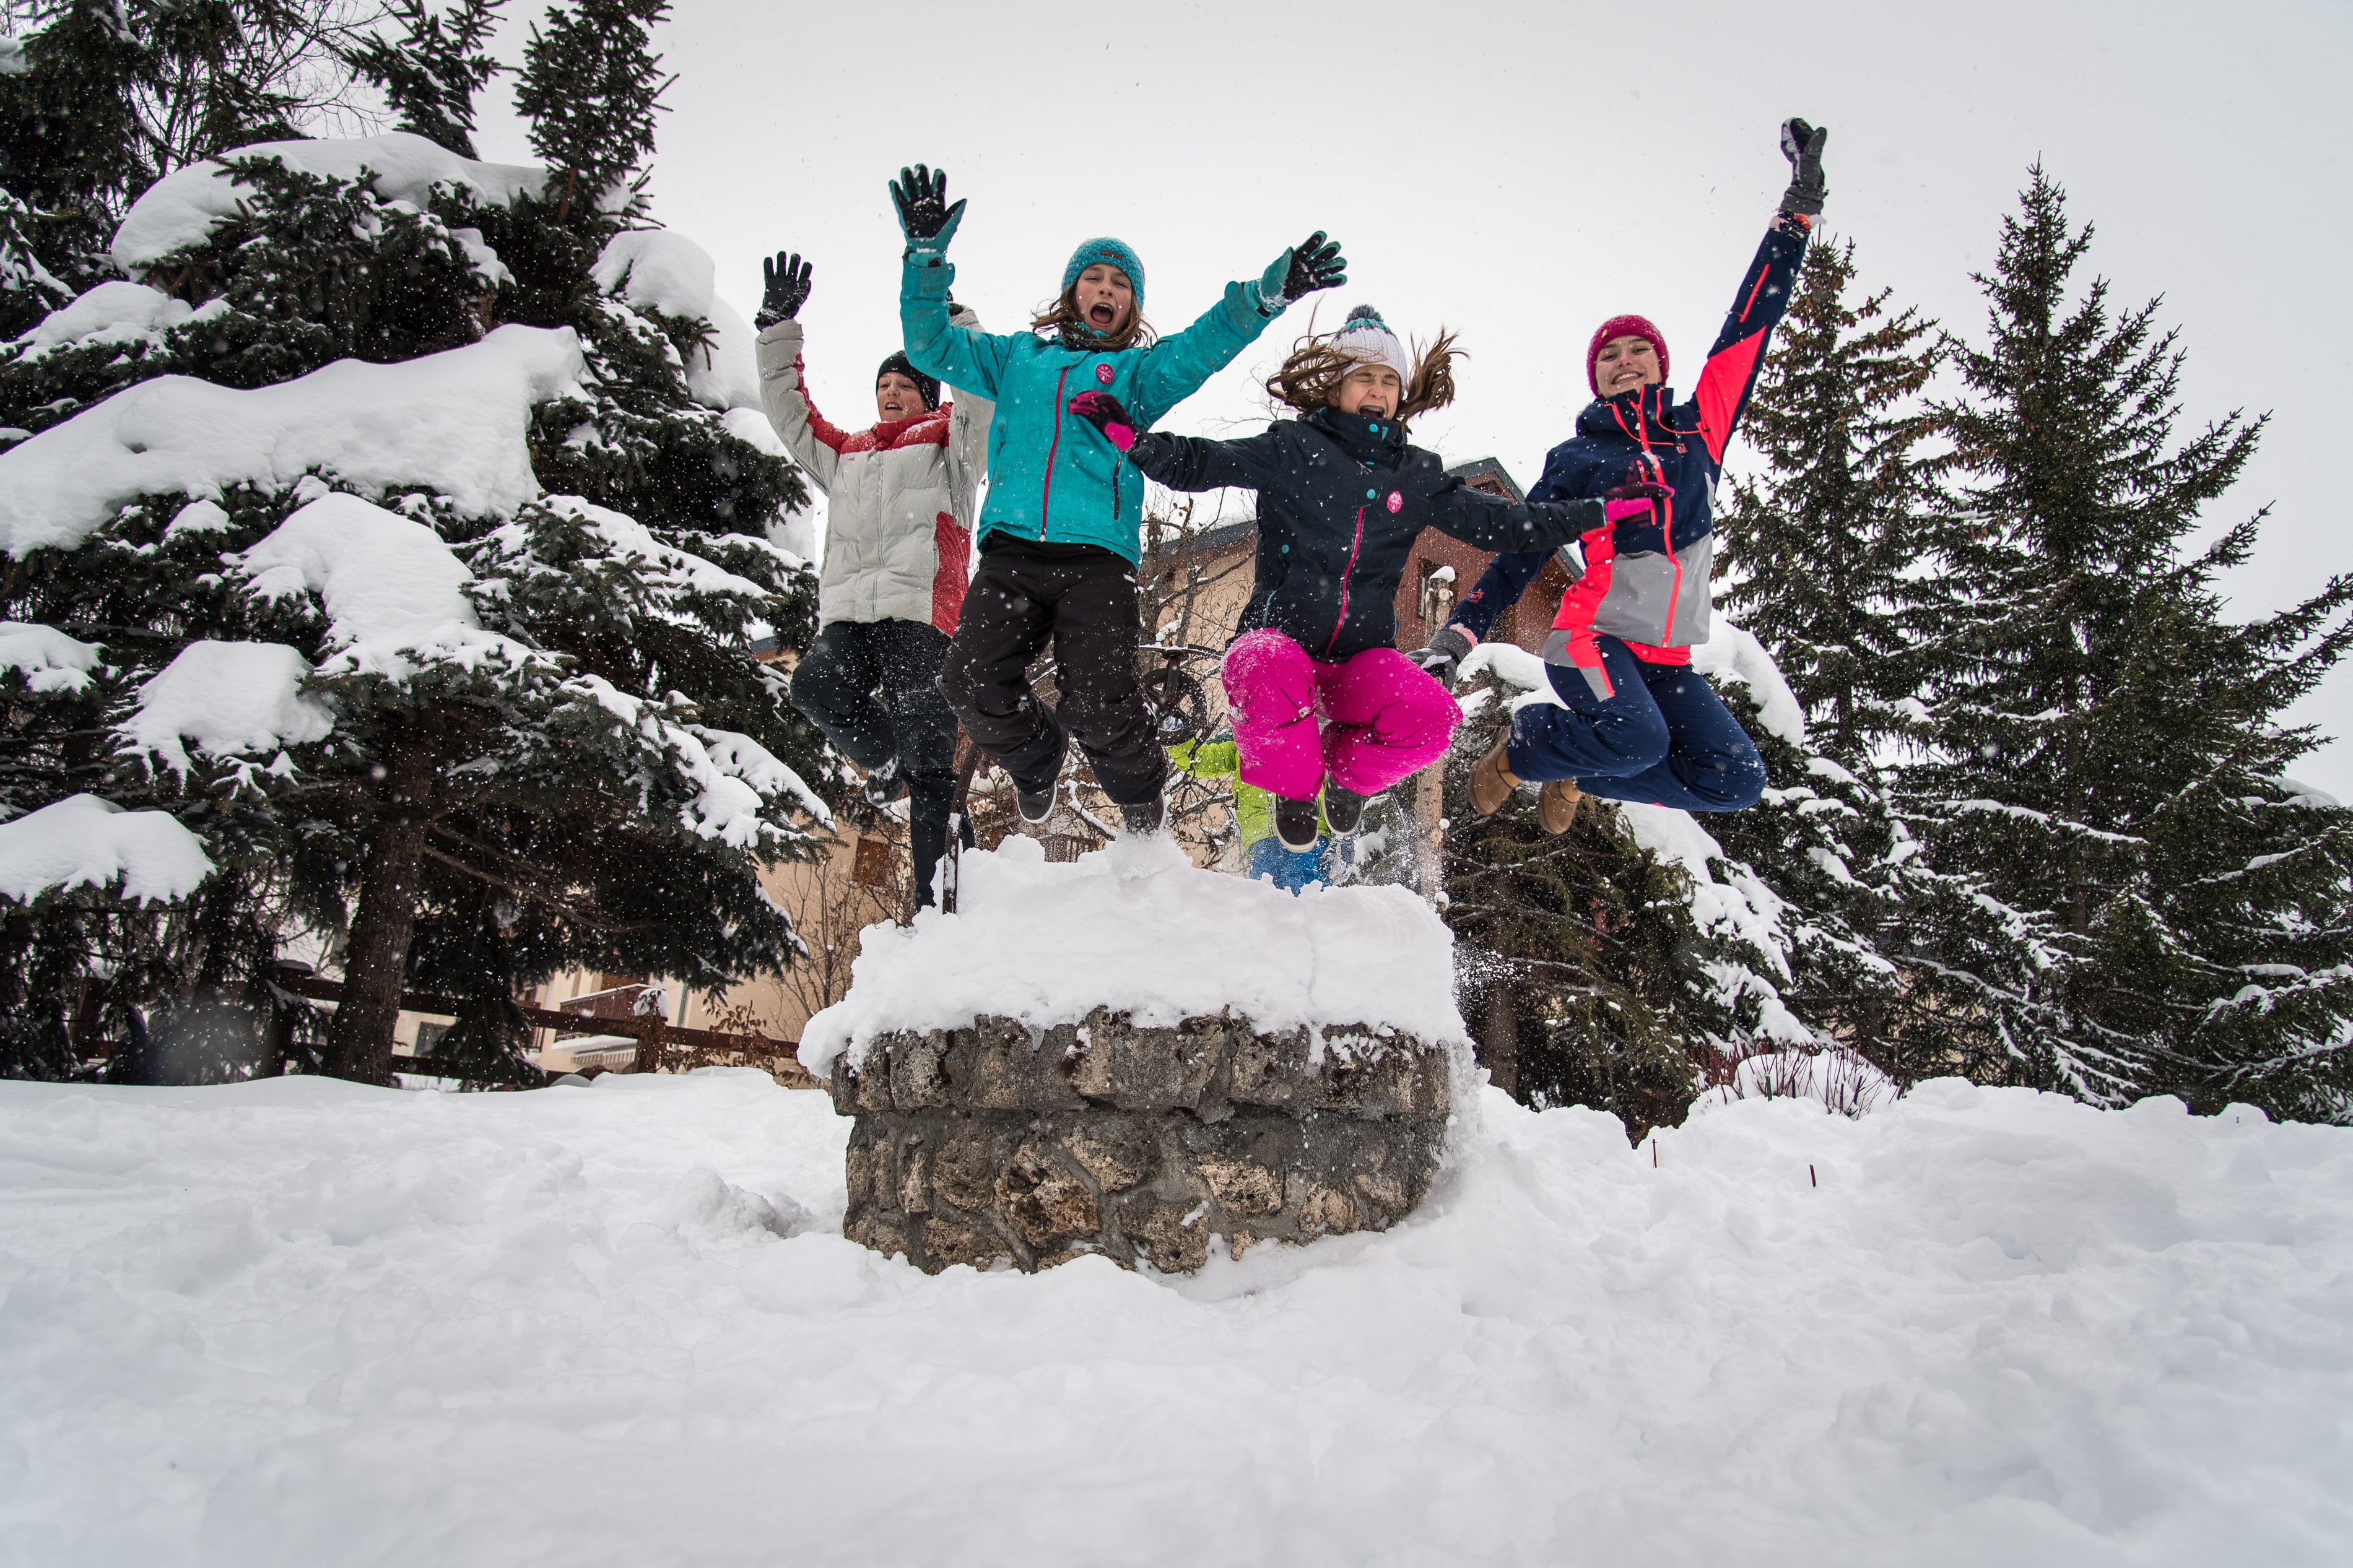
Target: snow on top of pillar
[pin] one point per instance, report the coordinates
(1138, 929)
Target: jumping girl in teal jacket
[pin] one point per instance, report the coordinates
(1061, 527)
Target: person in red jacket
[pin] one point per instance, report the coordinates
(1635, 722)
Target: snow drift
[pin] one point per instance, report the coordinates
(300, 1322)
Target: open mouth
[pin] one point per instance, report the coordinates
(1100, 314)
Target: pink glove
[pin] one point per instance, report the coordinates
(1104, 411)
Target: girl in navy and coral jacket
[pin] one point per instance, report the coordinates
(1637, 722)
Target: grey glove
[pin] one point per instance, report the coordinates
(1448, 649)
(1802, 144)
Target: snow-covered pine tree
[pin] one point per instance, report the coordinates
(2106, 750)
(106, 97)
(429, 74)
(524, 729)
(1830, 555)
(591, 86)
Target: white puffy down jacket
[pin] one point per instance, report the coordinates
(898, 496)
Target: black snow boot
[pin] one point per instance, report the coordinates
(1342, 808)
(1294, 824)
(1142, 820)
(1035, 806)
(883, 786)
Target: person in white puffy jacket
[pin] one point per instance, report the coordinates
(898, 549)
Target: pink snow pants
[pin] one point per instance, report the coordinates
(1383, 718)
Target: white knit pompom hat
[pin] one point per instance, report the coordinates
(1365, 336)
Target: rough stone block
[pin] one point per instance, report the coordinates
(1044, 1199)
(1174, 1240)
(989, 1145)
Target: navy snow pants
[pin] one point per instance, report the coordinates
(1663, 737)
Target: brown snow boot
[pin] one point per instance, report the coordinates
(1491, 783)
(1556, 805)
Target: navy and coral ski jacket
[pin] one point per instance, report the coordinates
(1341, 499)
(1646, 577)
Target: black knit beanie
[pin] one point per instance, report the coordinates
(929, 386)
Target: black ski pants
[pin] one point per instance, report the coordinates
(1084, 598)
(836, 684)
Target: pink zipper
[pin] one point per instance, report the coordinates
(1046, 501)
(1354, 546)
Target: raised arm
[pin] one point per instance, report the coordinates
(1185, 462)
(1174, 367)
(1763, 296)
(966, 360)
(814, 443)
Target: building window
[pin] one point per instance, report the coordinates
(1435, 601)
(428, 1037)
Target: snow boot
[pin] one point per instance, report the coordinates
(1143, 819)
(1038, 804)
(1342, 808)
(1492, 782)
(1294, 824)
(1556, 805)
(882, 785)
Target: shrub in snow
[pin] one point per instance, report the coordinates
(1604, 967)
(424, 560)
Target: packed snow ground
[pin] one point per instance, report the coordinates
(304, 1322)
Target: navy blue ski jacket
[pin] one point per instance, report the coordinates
(1646, 579)
(1341, 499)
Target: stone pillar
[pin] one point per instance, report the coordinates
(996, 1145)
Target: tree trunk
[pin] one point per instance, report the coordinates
(359, 1040)
(1499, 1045)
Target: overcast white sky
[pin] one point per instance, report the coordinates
(1517, 171)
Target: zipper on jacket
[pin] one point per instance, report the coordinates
(1354, 546)
(1046, 501)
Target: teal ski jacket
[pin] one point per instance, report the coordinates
(1052, 475)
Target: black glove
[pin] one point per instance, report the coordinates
(1802, 144)
(1448, 648)
(1314, 263)
(924, 215)
(787, 280)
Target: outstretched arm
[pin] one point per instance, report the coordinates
(1764, 294)
(1491, 522)
(1174, 367)
(1184, 462)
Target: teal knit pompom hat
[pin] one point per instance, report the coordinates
(1115, 253)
